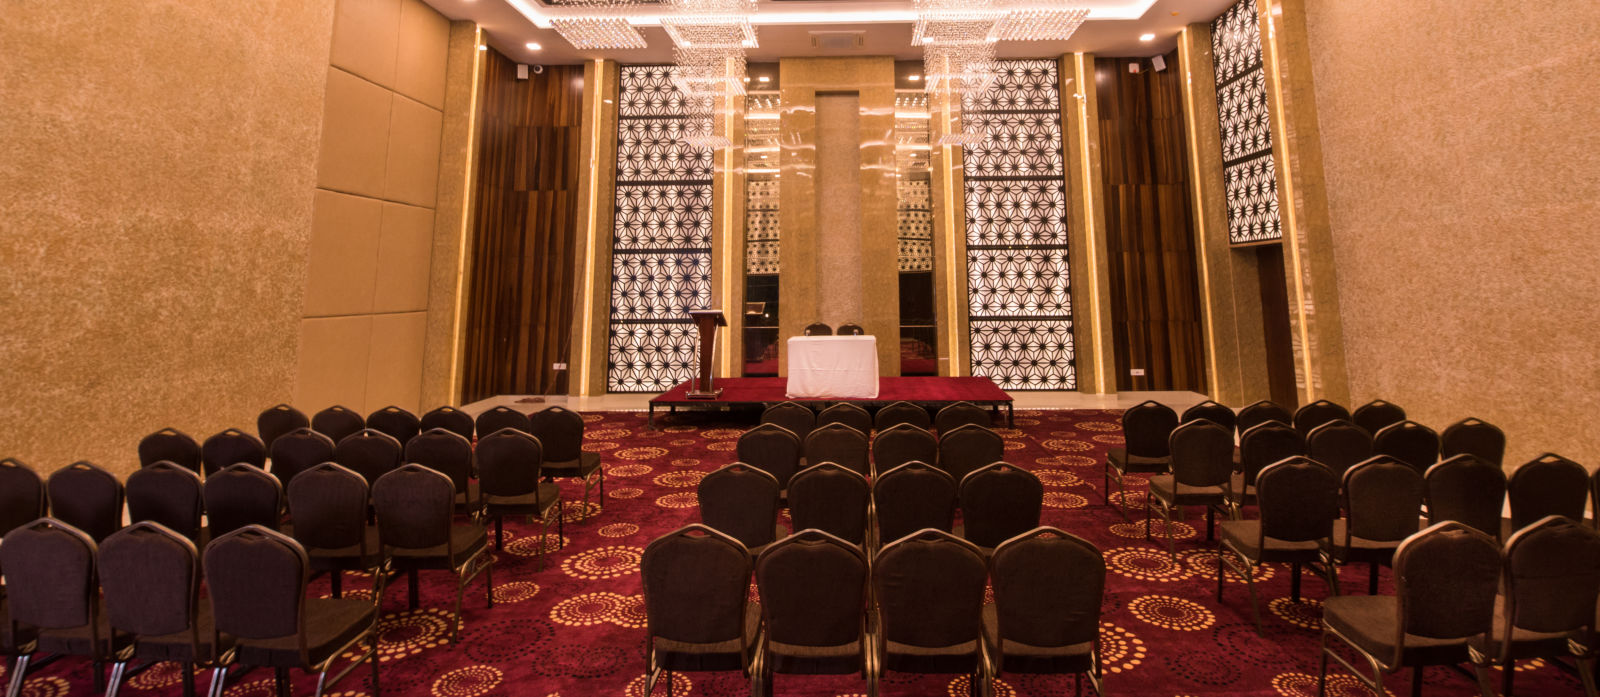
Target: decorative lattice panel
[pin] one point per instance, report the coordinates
(1250, 181)
(1019, 287)
(661, 246)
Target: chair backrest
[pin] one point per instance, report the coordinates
(51, 578)
(328, 503)
(242, 495)
(1468, 490)
(830, 498)
(798, 418)
(1299, 500)
(169, 494)
(151, 579)
(444, 451)
(1266, 443)
(851, 415)
(1211, 411)
(297, 451)
(369, 452)
(1318, 413)
(337, 423)
(813, 588)
(998, 502)
(841, 445)
(256, 580)
(1146, 426)
(1474, 437)
(1445, 579)
(400, 424)
(1548, 485)
(414, 507)
(508, 463)
(450, 419)
(1377, 414)
(169, 445)
(1048, 589)
(912, 497)
(741, 501)
(22, 495)
(1409, 442)
(1384, 499)
(1552, 576)
(277, 420)
(903, 443)
(929, 588)
(896, 413)
(86, 497)
(1262, 412)
(954, 416)
(232, 446)
(818, 329)
(772, 449)
(851, 330)
(503, 417)
(1202, 454)
(696, 586)
(1339, 444)
(560, 431)
(969, 447)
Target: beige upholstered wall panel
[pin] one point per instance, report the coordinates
(394, 366)
(153, 231)
(1460, 145)
(405, 251)
(420, 63)
(355, 135)
(343, 264)
(366, 38)
(333, 361)
(412, 174)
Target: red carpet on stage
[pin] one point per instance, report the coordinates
(576, 628)
(890, 389)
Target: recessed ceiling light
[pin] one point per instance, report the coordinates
(534, 46)
(915, 78)
(1147, 37)
(483, 47)
(763, 78)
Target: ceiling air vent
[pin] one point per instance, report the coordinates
(838, 40)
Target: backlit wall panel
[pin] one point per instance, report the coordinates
(661, 246)
(1250, 181)
(1019, 287)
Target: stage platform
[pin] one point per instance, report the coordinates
(930, 392)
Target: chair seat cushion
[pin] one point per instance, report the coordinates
(1525, 643)
(909, 658)
(466, 540)
(1359, 548)
(180, 646)
(1027, 658)
(1372, 622)
(717, 655)
(331, 624)
(816, 660)
(1123, 462)
(535, 503)
(76, 641)
(1244, 536)
(1162, 487)
(586, 464)
(348, 558)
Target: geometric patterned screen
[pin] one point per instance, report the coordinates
(1019, 286)
(661, 249)
(1250, 180)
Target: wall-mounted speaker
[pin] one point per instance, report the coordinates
(1159, 62)
(522, 72)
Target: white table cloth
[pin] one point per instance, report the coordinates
(844, 367)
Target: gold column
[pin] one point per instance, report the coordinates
(949, 238)
(1095, 357)
(591, 317)
(727, 229)
(873, 79)
(1303, 204)
(1230, 284)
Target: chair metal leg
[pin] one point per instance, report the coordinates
(1372, 578)
(18, 673)
(188, 679)
(280, 681)
(488, 583)
(544, 534)
(1294, 581)
(1586, 675)
(99, 676)
(1507, 672)
(219, 678)
(500, 535)
(1483, 680)
(322, 682)
(411, 589)
(1211, 523)
(1322, 665)
(373, 639)
(116, 678)
(336, 583)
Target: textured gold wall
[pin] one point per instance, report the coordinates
(1461, 144)
(157, 165)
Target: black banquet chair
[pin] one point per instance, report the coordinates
(1201, 475)
(813, 589)
(337, 423)
(508, 471)
(929, 590)
(1383, 501)
(241, 495)
(1548, 485)
(741, 501)
(912, 497)
(1299, 502)
(851, 330)
(966, 448)
(1467, 490)
(954, 416)
(1409, 442)
(772, 449)
(818, 329)
(1049, 587)
(1262, 412)
(841, 445)
(278, 419)
(52, 593)
(86, 497)
(369, 453)
(229, 447)
(256, 579)
(22, 495)
(901, 444)
(998, 502)
(415, 506)
(328, 504)
(1339, 444)
(448, 452)
(150, 579)
(170, 445)
(1546, 608)
(400, 424)
(1318, 413)
(1474, 437)
(1145, 427)
(846, 413)
(833, 499)
(169, 494)
(1218, 414)
(297, 451)
(492, 420)
(698, 612)
(896, 413)
(560, 432)
(1261, 445)
(1376, 415)
(450, 419)
(798, 418)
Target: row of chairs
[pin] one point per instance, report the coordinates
(337, 422)
(800, 419)
(918, 607)
(997, 501)
(781, 452)
(822, 329)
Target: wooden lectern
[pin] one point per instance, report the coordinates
(706, 321)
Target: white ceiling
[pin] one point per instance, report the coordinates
(783, 29)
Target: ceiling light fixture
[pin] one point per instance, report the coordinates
(602, 24)
(709, 40)
(534, 46)
(1147, 37)
(1041, 20)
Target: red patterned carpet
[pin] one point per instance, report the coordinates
(575, 629)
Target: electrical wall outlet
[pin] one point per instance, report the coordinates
(1136, 372)
(558, 366)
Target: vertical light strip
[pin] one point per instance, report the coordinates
(1191, 124)
(595, 123)
(1286, 181)
(1088, 224)
(729, 179)
(953, 281)
(453, 387)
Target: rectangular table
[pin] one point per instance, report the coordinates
(844, 367)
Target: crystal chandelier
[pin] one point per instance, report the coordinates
(1041, 20)
(710, 38)
(602, 25)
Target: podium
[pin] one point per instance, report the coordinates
(706, 321)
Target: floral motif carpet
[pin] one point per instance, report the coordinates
(576, 627)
